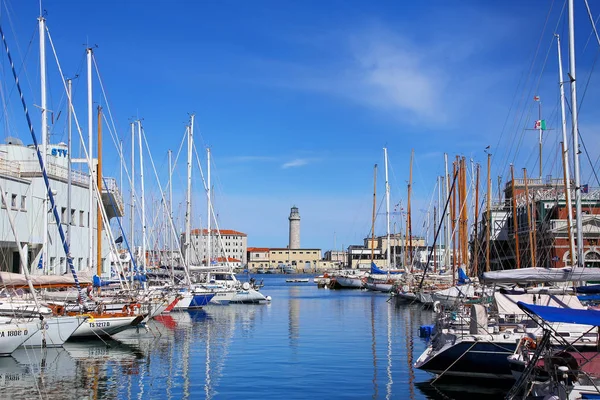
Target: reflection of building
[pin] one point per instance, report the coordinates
(223, 243)
(545, 205)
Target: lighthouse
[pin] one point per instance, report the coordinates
(294, 228)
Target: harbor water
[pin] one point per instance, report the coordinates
(307, 343)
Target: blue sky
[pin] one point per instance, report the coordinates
(297, 99)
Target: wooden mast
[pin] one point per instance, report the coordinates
(531, 242)
(463, 212)
(514, 212)
(453, 224)
(99, 179)
(488, 213)
(373, 217)
(409, 221)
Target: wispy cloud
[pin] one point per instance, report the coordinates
(298, 162)
(248, 159)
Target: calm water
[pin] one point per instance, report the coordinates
(308, 343)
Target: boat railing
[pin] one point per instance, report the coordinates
(31, 168)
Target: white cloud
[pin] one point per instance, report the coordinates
(298, 162)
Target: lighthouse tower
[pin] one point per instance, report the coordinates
(294, 228)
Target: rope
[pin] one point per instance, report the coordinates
(451, 365)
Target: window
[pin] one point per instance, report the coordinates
(72, 220)
(314, 252)
(81, 214)
(79, 263)
(293, 252)
(3, 204)
(52, 261)
(13, 201)
(23, 203)
(88, 219)
(63, 214)
(301, 252)
(62, 264)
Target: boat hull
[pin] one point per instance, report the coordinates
(56, 332)
(13, 335)
(250, 296)
(349, 282)
(200, 300)
(105, 326)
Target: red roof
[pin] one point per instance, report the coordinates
(258, 249)
(229, 232)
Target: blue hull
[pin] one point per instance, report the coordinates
(200, 300)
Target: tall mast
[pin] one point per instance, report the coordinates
(132, 205)
(99, 212)
(373, 216)
(44, 121)
(514, 214)
(447, 216)
(574, 123)
(142, 195)
(409, 219)
(188, 210)
(541, 130)
(171, 215)
(476, 233)
(69, 172)
(565, 156)
(91, 156)
(529, 221)
(434, 245)
(387, 205)
(488, 213)
(209, 213)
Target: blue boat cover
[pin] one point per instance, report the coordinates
(462, 277)
(588, 297)
(566, 315)
(376, 270)
(588, 289)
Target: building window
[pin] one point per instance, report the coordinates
(52, 261)
(301, 252)
(24, 203)
(81, 215)
(88, 219)
(72, 220)
(3, 203)
(63, 214)
(13, 201)
(80, 263)
(293, 252)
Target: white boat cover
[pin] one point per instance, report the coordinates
(507, 303)
(12, 279)
(542, 275)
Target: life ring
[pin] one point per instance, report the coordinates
(437, 307)
(529, 343)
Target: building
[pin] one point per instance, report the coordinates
(336, 258)
(539, 228)
(296, 260)
(359, 256)
(258, 258)
(294, 219)
(22, 181)
(223, 243)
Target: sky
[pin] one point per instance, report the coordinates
(297, 100)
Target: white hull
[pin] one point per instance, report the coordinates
(379, 287)
(349, 282)
(185, 301)
(57, 331)
(223, 296)
(13, 334)
(105, 326)
(249, 296)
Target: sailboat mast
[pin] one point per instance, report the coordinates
(476, 233)
(142, 195)
(574, 123)
(90, 155)
(44, 121)
(387, 206)
(99, 213)
(132, 205)
(409, 219)
(188, 210)
(488, 213)
(373, 216)
(514, 215)
(170, 210)
(69, 167)
(565, 156)
(529, 221)
(447, 216)
(209, 213)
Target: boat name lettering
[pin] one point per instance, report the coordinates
(12, 333)
(59, 152)
(99, 324)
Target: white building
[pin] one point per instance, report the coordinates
(21, 178)
(224, 243)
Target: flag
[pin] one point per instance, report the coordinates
(41, 262)
(540, 124)
(584, 188)
(536, 98)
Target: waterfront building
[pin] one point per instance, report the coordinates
(258, 258)
(294, 260)
(543, 235)
(22, 180)
(223, 243)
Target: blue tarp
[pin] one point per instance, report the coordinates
(462, 277)
(588, 289)
(376, 270)
(588, 297)
(566, 315)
